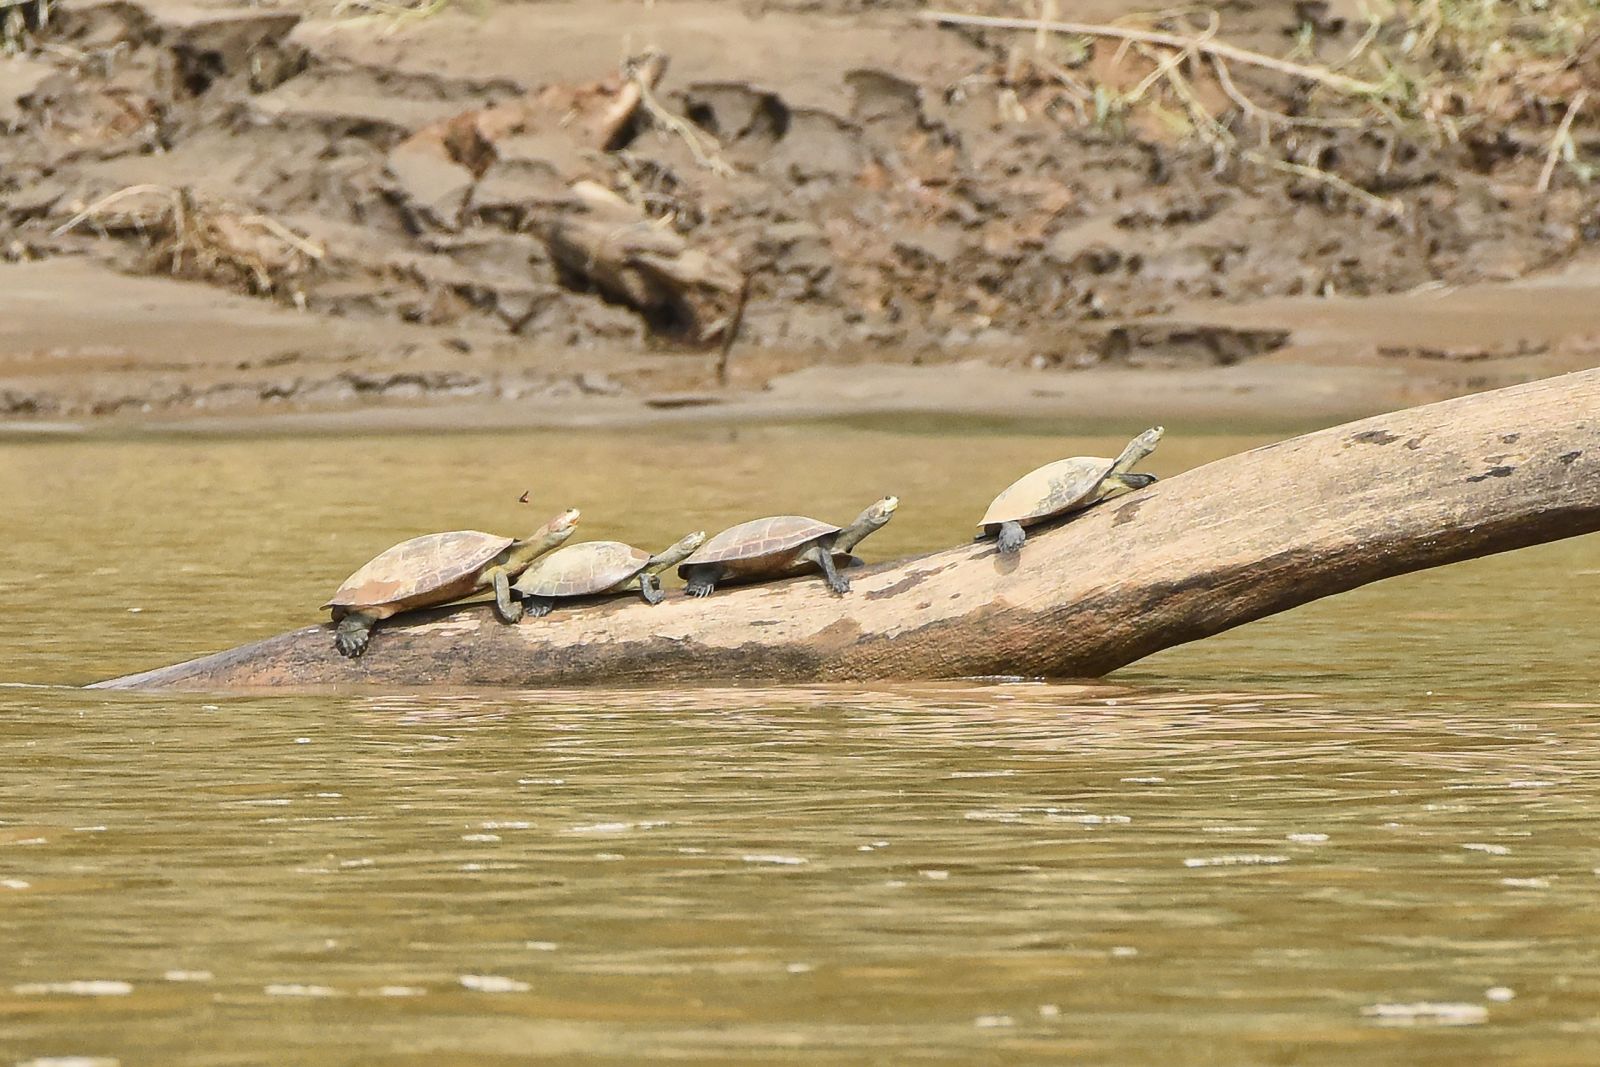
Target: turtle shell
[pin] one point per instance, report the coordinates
(772, 540)
(578, 570)
(1052, 489)
(424, 570)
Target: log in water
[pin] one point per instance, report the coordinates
(1197, 554)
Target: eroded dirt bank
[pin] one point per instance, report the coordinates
(572, 210)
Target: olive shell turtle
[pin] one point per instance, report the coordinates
(436, 569)
(1062, 487)
(781, 545)
(599, 567)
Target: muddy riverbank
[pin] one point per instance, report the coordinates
(618, 211)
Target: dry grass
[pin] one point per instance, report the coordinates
(19, 21)
(1456, 63)
(392, 14)
(193, 237)
(1433, 71)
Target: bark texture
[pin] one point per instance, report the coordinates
(1194, 555)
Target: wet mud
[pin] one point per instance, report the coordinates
(689, 205)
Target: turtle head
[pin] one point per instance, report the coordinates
(680, 551)
(547, 537)
(557, 529)
(1137, 449)
(877, 513)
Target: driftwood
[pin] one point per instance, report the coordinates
(685, 291)
(1192, 556)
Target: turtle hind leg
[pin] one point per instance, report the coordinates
(702, 580)
(1012, 535)
(650, 589)
(352, 634)
(538, 606)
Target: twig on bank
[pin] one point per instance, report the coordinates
(1392, 208)
(396, 13)
(1266, 114)
(1563, 134)
(730, 332)
(1166, 67)
(1075, 92)
(1047, 13)
(1210, 130)
(1165, 64)
(1167, 40)
(99, 206)
(1374, 24)
(287, 236)
(702, 146)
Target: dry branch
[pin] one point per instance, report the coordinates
(694, 292)
(1195, 555)
(1387, 205)
(1559, 141)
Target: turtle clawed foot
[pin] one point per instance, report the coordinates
(700, 590)
(351, 643)
(652, 594)
(839, 585)
(1011, 539)
(351, 635)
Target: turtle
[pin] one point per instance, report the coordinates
(781, 545)
(436, 569)
(1065, 486)
(599, 567)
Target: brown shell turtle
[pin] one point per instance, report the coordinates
(436, 569)
(1065, 486)
(782, 545)
(599, 567)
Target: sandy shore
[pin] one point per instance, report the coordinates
(162, 356)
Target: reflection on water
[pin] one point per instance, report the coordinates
(1362, 829)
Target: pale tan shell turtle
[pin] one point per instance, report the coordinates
(599, 567)
(1062, 487)
(781, 545)
(436, 569)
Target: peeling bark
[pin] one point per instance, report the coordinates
(1192, 556)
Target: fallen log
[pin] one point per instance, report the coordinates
(1194, 555)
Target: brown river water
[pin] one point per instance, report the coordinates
(1362, 831)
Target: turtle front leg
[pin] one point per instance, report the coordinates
(650, 589)
(508, 608)
(702, 579)
(823, 558)
(353, 633)
(1012, 535)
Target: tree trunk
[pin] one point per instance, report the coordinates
(1194, 555)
